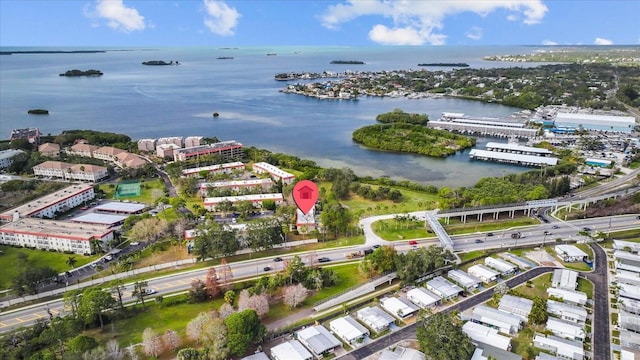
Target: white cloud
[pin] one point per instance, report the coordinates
(221, 18)
(549, 42)
(475, 33)
(513, 17)
(118, 15)
(420, 22)
(601, 41)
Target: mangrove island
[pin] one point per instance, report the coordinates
(76, 72)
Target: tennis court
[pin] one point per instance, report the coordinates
(128, 189)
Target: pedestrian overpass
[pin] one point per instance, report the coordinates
(443, 236)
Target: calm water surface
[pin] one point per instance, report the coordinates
(155, 101)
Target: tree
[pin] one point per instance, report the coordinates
(195, 327)
(139, 291)
(117, 287)
(198, 291)
(538, 314)
(214, 240)
(113, 350)
(383, 259)
(151, 342)
(227, 275)
(259, 303)
(264, 234)
(71, 261)
(149, 229)
(190, 354)
(225, 310)
(442, 338)
(294, 295)
(213, 288)
(214, 336)
(72, 301)
(244, 330)
(230, 296)
(93, 303)
(29, 277)
(81, 344)
(171, 340)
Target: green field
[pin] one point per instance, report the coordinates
(392, 229)
(54, 260)
(538, 287)
(455, 227)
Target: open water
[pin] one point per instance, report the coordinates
(156, 101)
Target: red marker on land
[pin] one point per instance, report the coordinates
(305, 194)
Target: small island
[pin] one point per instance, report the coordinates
(225, 58)
(160, 62)
(75, 72)
(38, 112)
(399, 116)
(347, 62)
(445, 64)
(410, 138)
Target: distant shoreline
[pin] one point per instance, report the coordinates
(53, 52)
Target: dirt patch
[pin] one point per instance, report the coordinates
(626, 205)
(543, 258)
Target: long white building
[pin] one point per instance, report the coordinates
(71, 172)
(257, 200)
(612, 123)
(483, 273)
(468, 282)
(505, 322)
(226, 168)
(274, 172)
(486, 335)
(563, 348)
(55, 235)
(48, 206)
(423, 297)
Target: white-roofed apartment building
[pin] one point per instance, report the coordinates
(466, 281)
(318, 340)
(504, 267)
(375, 318)
(398, 307)
(349, 330)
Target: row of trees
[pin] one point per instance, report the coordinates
(409, 266)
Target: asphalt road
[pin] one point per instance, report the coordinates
(409, 331)
(601, 336)
(180, 282)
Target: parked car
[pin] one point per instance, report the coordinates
(108, 258)
(135, 243)
(376, 246)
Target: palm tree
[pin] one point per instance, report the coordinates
(95, 245)
(71, 261)
(139, 291)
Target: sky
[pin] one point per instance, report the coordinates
(318, 22)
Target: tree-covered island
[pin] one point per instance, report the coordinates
(160, 62)
(75, 72)
(411, 138)
(348, 62)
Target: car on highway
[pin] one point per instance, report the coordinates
(375, 246)
(278, 259)
(547, 232)
(324, 259)
(267, 268)
(413, 242)
(586, 229)
(490, 234)
(555, 227)
(479, 241)
(149, 291)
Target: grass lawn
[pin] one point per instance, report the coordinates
(151, 190)
(538, 287)
(465, 256)
(129, 331)
(349, 277)
(585, 286)
(411, 201)
(521, 344)
(54, 260)
(632, 235)
(455, 227)
(395, 230)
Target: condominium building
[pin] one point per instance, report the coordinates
(53, 235)
(226, 168)
(107, 153)
(147, 144)
(48, 206)
(192, 141)
(274, 172)
(71, 172)
(81, 149)
(257, 200)
(6, 157)
(227, 150)
(49, 149)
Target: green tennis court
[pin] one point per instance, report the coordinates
(128, 189)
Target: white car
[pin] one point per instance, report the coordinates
(149, 291)
(108, 258)
(135, 243)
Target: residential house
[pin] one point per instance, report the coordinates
(483, 273)
(466, 281)
(349, 330)
(564, 279)
(516, 305)
(443, 288)
(398, 307)
(570, 253)
(375, 318)
(486, 335)
(290, 350)
(318, 340)
(423, 297)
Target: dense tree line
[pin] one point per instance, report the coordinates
(441, 337)
(399, 116)
(409, 266)
(411, 138)
(100, 138)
